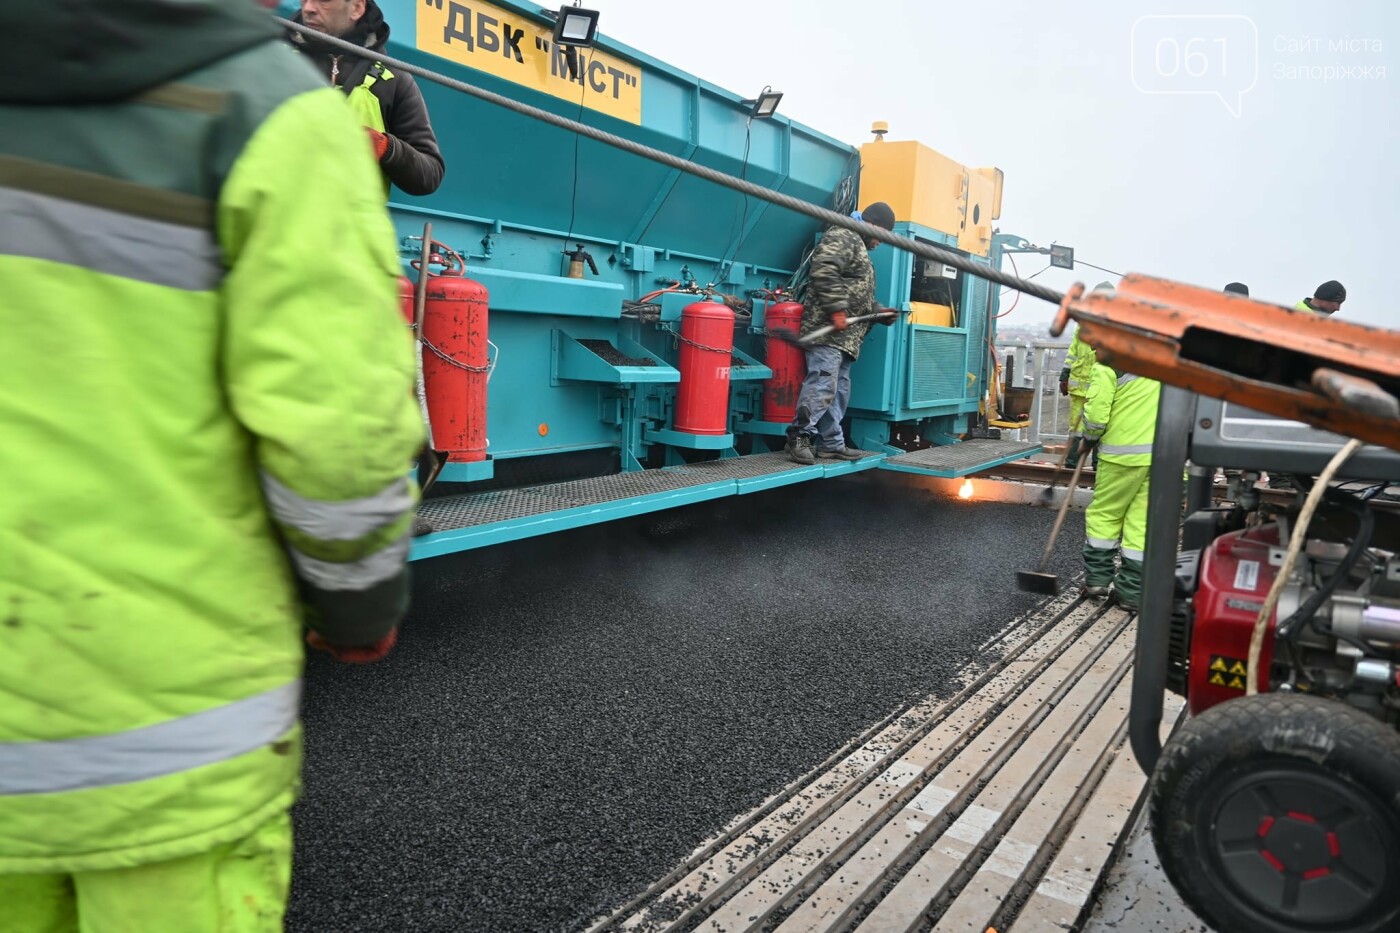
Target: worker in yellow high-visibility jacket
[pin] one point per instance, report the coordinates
(1327, 298)
(1120, 421)
(204, 439)
(1074, 382)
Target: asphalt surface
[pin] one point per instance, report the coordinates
(565, 719)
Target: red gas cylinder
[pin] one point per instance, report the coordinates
(455, 361)
(789, 364)
(406, 298)
(707, 351)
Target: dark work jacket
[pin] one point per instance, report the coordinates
(413, 161)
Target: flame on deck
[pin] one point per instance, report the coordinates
(965, 491)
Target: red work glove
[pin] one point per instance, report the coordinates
(838, 320)
(354, 654)
(1064, 387)
(380, 142)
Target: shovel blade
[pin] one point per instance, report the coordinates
(430, 464)
(1032, 582)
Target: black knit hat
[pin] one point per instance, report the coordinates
(1238, 288)
(1331, 290)
(878, 214)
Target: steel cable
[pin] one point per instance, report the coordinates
(829, 217)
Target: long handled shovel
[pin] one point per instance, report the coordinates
(790, 336)
(1037, 580)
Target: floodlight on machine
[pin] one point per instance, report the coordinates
(1062, 257)
(575, 27)
(765, 105)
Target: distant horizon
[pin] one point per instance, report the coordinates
(1267, 165)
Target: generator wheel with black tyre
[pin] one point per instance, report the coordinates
(1280, 813)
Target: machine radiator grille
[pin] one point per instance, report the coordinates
(938, 368)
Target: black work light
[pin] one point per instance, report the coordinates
(765, 104)
(574, 26)
(1062, 257)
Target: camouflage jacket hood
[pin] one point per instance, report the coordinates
(842, 279)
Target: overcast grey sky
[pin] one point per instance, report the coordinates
(1299, 188)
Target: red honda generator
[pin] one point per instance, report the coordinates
(1277, 812)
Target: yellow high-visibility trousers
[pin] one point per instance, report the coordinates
(238, 887)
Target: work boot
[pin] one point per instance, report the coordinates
(840, 453)
(1096, 592)
(1072, 451)
(1127, 586)
(799, 449)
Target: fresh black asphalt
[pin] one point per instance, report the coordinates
(566, 718)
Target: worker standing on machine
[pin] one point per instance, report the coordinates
(388, 103)
(204, 448)
(842, 285)
(1120, 420)
(1074, 382)
(1326, 299)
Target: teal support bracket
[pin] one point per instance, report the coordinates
(572, 361)
(689, 441)
(473, 472)
(769, 428)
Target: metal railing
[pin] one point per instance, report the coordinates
(1035, 365)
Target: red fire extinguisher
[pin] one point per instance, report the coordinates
(706, 355)
(455, 358)
(789, 364)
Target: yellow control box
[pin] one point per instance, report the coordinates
(925, 187)
(930, 314)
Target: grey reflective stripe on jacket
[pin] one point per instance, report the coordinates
(368, 571)
(1112, 449)
(1125, 379)
(193, 741)
(42, 226)
(345, 520)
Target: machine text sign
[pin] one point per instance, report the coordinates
(514, 47)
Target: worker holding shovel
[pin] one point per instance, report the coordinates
(1074, 382)
(1120, 419)
(839, 311)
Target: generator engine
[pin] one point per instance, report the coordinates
(1275, 813)
(1334, 633)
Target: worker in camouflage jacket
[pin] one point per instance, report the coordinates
(841, 287)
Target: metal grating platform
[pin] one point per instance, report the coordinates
(485, 508)
(501, 507)
(741, 467)
(960, 459)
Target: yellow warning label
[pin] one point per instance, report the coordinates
(1218, 679)
(1236, 683)
(1238, 668)
(516, 48)
(1217, 663)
